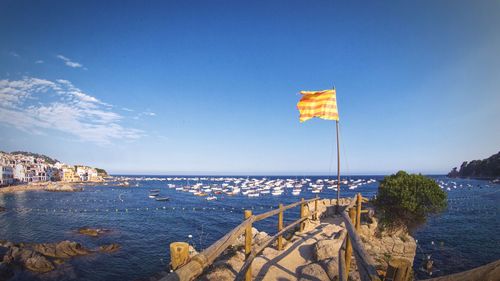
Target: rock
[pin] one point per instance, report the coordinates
(27, 258)
(398, 248)
(331, 229)
(254, 231)
(220, 273)
(2, 209)
(313, 272)
(327, 249)
(410, 247)
(331, 267)
(257, 237)
(260, 238)
(109, 248)
(38, 263)
(94, 232)
(270, 253)
(63, 249)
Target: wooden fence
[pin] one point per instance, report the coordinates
(198, 263)
(351, 215)
(352, 243)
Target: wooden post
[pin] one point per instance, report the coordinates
(399, 269)
(316, 208)
(280, 227)
(179, 254)
(358, 211)
(248, 245)
(302, 214)
(348, 250)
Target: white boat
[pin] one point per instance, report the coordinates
(296, 192)
(211, 198)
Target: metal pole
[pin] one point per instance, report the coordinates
(338, 166)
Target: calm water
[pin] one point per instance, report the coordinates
(461, 238)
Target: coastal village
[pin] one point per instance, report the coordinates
(29, 168)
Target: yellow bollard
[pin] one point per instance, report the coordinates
(179, 254)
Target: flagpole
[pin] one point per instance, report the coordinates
(338, 167)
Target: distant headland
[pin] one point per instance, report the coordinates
(488, 168)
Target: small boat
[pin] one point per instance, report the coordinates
(210, 198)
(162, 198)
(153, 195)
(154, 190)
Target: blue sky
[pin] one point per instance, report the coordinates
(210, 87)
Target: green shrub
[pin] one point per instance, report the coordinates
(405, 200)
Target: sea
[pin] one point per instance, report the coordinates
(462, 237)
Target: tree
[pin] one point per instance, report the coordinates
(406, 200)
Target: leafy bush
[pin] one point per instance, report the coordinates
(405, 200)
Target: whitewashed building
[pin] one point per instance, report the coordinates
(6, 175)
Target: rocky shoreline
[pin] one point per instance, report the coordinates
(45, 186)
(44, 257)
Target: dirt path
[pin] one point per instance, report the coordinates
(287, 264)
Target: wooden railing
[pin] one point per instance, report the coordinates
(198, 263)
(352, 243)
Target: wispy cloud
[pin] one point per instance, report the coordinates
(39, 61)
(145, 113)
(37, 106)
(69, 62)
(14, 54)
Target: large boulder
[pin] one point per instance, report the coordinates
(257, 238)
(63, 249)
(327, 249)
(39, 263)
(44, 257)
(331, 267)
(313, 272)
(28, 259)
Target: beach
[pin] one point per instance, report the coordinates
(44, 186)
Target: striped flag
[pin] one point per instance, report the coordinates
(321, 104)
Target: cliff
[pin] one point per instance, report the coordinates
(486, 168)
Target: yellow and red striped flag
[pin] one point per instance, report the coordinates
(321, 104)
